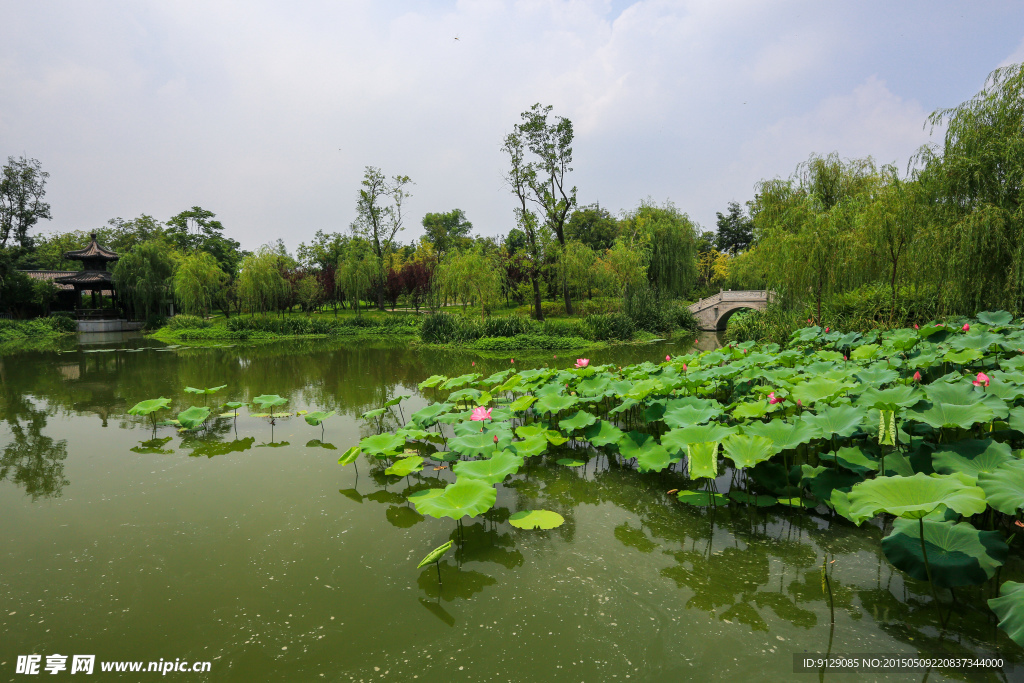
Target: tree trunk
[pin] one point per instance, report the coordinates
(538, 309)
(568, 301)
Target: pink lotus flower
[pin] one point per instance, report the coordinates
(480, 414)
(916, 327)
(966, 327)
(474, 364)
(684, 367)
(772, 399)
(826, 330)
(744, 350)
(982, 380)
(511, 360)
(668, 358)
(917, 376)
(582, 362)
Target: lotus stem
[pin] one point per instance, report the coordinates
(928, 571)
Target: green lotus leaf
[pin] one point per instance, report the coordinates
(1004, 487)
(959, 554)
(642, 389)
(522, 403)
(431, 382)
(650, 455)
(435, 554)
(593, 386)
(952, 415)
(960, 392)
(1009, 607)
(995, 318)
(466, 395)
(315, 418)
(677, 439)
(461, 380)
(479, 443)
(396, 400)
(426, 417)
(971, 457)
(211, 390)
(602, 433)
(414, 434)
(510, 383)
(784, 435)
(840, 421)
(578, 420)
(979, 341)
(571, 462)
(755, 409)
(853, 458)
(702, 498)
(760, 501)
(269, 401)
(797, 502)
(259, 414)
(276, 415)
(963, 356)
(194, 417)
(466, 497)
(685, 416)
(864, 352)
(554, 403)
(1015, 364)
(746, 450)
(893, 398)
(703, 459)
(496, 378)
(382, 444)
(877, 375)
(150, 406)
(154, 446)
(317, 443)
(818, 389)
(536, 519)
(530, 446)
(914, 497)
(553, 437)
(406, 466)
(445, 456)
(234, 405)
(897, 465)
(826, 480)
(492, 470)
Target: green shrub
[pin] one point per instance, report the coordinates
(507, 326)
(646, 312)
(606, 326)
(564, 327)
(62, 321)
(447, 328)
(772, 325)
(528, 341)
(683, 319)
(187, 322)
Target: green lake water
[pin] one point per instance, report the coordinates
(251, 548)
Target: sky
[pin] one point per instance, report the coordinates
(267, 113)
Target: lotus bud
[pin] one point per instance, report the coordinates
(826, 330)
(495, 438)
(966, 327)
(799, 403)
(684, 367)
(916, 327)
(668, 358)
(744, 351)
(917, 376)
(982, 380)
(474, 364)
(846, 358)
(512, 360)
(808, 321)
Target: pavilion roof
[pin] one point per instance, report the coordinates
(93, 251)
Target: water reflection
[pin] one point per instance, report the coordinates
(32, 460)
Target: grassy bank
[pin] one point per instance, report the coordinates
(34, 334)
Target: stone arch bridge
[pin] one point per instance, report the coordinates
(713, 312)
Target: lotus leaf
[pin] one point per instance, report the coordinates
(461, 380)
(554, 403)
(530, 446)
(465, 395)
(602, 433)
(702, 498)
(431, 382)
(677, 439)
(593, 386)
(962, 357)
(211, 390)
(952, 415)
(1004, 487)
(578, 420)
(971, 457)
(959, 554)
(840, 421)
(650, 455)
(269, 401)
(914, 497)
(435, 555)
(746, 450)
(755, 409)
(522, 403)
(234, 405)
(194, 417)
(877, 375)
(382, 445)
(1009, 607)
(684, 416)
(553, 437)
(853, 458)
(396, 400)
(276, 415)
(829, 479)
(571, 462)
(536, 519)
(479, 443)
(425, 417)
(642, 389)
(406, 466)
(315, 418)
(959, 392)
(466, 497)
(150, 406)
(492, 470)
(703, 459)
(864, 352)
(893, 398)
(784, 435)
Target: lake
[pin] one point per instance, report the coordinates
(251, 548)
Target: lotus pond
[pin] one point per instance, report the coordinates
(218, 524)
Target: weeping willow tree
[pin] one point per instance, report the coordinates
(467, 275)
(975, 251)
(669, 240)
(198, 282)
(358, 272)
(805, 228)
(574, 264)
(261, 286)
(143, 277)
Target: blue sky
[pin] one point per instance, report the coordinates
(267, 113)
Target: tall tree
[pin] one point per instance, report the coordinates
(735, 230)
(446, 230)
(22, 188)
(198, 282)
(143, 277)
(520, 179)
(593, 226)
(551, 146)
(379, 216)
(197, 230)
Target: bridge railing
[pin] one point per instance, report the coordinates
(741, 295)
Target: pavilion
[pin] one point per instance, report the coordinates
(94, 276)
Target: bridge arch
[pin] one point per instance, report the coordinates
(713, 312)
